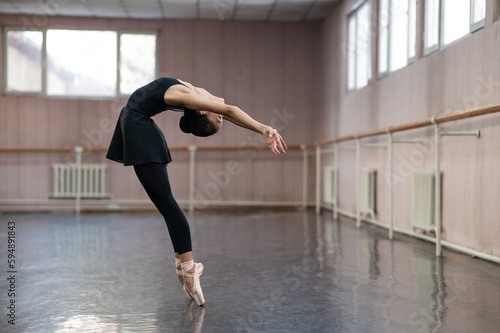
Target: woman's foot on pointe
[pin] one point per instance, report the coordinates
(192, 272)
(181, 277)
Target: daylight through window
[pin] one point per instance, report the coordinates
(79, 63)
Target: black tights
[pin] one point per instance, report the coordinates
(154, 179)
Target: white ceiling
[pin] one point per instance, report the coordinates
(223, 10)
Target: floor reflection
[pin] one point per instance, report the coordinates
(86, 323)
(264, 272)
(193, 317)
(396, 286)
(429, 288)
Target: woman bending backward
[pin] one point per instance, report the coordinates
(138, 141)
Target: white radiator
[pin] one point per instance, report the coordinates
(329, 190)
(422, 204)
(91, 178)
(367, 191)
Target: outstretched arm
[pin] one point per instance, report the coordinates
(272, 137)
(196, 99)
(235, 120)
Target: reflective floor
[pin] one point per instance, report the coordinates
(264, 272)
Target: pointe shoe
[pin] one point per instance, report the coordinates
(181, 277)
(192, 280)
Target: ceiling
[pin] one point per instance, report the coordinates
(223, 10)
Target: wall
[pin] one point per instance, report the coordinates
(301, 68)
(461, 76)
(267, 69)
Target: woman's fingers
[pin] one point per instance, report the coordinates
(280, 143)
(282, 146)
(274, 148)
(277, 144)
(284, 143)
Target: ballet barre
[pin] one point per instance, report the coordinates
(434, 121)
(78, 153)
(104, 150)
(321, 147)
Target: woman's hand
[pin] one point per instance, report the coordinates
(274, 140)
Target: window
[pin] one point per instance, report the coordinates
(24, 54)
(456, 15)
(383, 37)
(397, 34)
(137, 64)
(478, 14)
(412, 30)
(431, 35)
(359, 47)
(449, 20)
(79, 63)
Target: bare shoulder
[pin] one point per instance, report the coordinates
(187, 95)
(187, 84)
(196, 90)
(177, 94)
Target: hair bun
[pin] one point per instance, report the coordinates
(184, 125)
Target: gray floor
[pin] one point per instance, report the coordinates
(264, 272)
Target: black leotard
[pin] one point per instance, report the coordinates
(137, 139)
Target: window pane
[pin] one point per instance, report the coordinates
(369, 37)
(412, 29)
(363, 61)
(399, 34)
(24, 61)
(431, 23)
(351, 53)
(456, 19)
(383, 38)
(478, 10)
(81, 63)
(137, 61)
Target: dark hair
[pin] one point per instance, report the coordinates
(197, 124)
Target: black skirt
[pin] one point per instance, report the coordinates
(137, 140)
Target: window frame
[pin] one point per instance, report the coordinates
(118, 55)
(473, 27)
(409, 59)
(5, 45)
(351, 49)
(412, 59)
(44, 83)
(437, 46)
(388, 46)
(354, 11)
